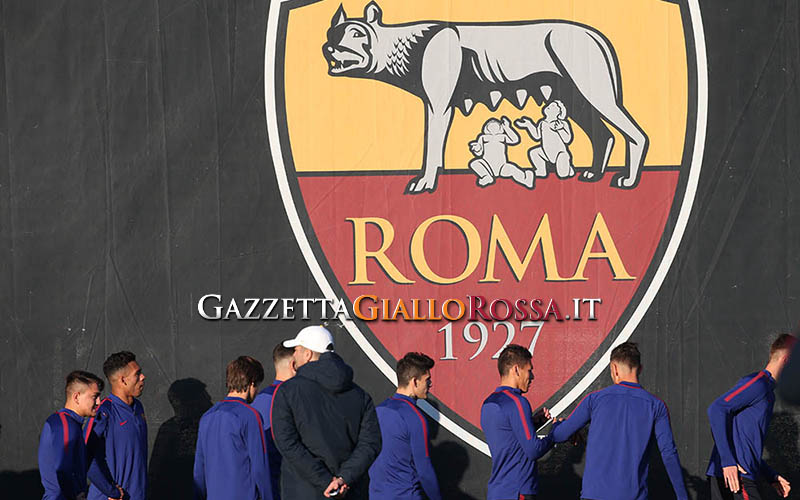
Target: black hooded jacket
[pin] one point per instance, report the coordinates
(324, 426)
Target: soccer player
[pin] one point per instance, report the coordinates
(510, 429)
(324, 424)
(624, 418)
(403, 469)
(739, 421)
(284, 370)
(118, 434)
(63, 457)
(231, 457)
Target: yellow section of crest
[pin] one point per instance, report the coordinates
(345, 124)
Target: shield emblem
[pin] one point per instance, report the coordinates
(469, 174)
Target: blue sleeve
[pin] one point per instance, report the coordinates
(521, 419)
(51, 453)
(262, 403)
(257, 451)
(99, 473)
(720, 416)
(199, 473)
(669, 454)
(579, 417)
(420, 453)
(767, 472)
(56, 471)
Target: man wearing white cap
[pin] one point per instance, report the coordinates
(324, 425)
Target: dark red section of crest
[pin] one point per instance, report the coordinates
(635, 219)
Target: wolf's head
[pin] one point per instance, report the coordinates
(348, 50)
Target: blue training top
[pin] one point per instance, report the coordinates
(263, 403)
(624, 418)
(403, 469)
(119, 435)
(231, 456)
(739, 422)
(507, 422)
(63, 458)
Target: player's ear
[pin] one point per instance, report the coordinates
(372, 12)
(339, 17)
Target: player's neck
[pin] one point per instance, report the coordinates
(283, 376)
(509, 382)
(406, 391)
(121, 395)
(69, 405)
(774, 369)
(240, 395)
(630, 378)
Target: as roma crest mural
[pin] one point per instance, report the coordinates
(465, 175)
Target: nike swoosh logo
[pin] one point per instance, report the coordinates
(123, 422)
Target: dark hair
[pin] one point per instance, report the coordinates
(242, 372)
(117, 362)
(513, 355)
(80, 377)
(628, 354)
(412, 365)
(784, 342)
(280, 353)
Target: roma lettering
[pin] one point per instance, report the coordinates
(498, 240)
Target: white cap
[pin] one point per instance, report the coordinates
(317, 338)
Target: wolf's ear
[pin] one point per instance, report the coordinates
(372, 12)
(339, 17)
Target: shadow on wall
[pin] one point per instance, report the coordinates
(782, 449)
(450, 461)
(560, 471)
(26, 484)
(172, 460)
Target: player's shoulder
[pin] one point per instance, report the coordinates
(760, 379)
(496, 398)
(262, 397)
(54, 420)
(106, 404)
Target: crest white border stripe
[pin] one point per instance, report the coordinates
(633, 321)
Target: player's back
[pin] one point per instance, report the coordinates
(227, 467)
(620, 436)
(393, 474)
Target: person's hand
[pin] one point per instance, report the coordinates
(524, 122)
(782, 486)
(577, 439)
(557, 125)
(541, 417)
(731, 475)
(121, 493)
(475, 147)
(336, 488)
(506, 122)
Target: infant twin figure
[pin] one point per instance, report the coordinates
(553, 132)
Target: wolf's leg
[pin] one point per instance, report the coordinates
(600, 136)
(584, 58)
(440, 69)
(538, 161)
